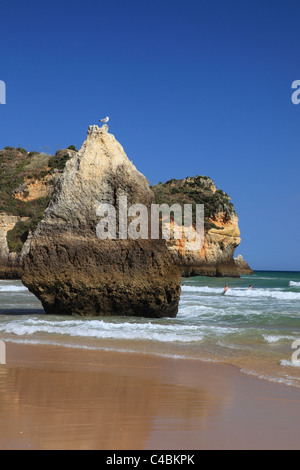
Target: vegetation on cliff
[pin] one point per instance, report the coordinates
(196, 190)
(19, 168)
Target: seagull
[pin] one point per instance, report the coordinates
(104, 120)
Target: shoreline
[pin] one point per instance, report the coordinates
(69, 398)
(243, 367)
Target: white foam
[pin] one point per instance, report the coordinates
(277, 338)
(294, 284)
(284, 362)
(204, 289)
(259, 278)
(253, 293)
(265, 293)
(105, 330)
(290, 381)
(11, 288)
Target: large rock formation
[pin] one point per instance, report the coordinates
(27, 180)
(72, 271)
(9, 262)
(222, 234)
(242, 265)
(215, 257)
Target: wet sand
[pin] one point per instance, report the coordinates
(63, 398)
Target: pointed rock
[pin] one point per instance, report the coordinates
(73, 272)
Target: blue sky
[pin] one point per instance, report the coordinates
(194, 87)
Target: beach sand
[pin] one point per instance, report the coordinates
(65, 398)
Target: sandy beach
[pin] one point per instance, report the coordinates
(67, 398)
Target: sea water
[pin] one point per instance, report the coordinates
(252, 329)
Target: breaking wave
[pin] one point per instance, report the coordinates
(104, 330)
(11, 288)
(254, 293)
(294, 284)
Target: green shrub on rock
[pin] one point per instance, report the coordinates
(59, 162)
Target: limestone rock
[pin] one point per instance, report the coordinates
(10, 263)
(222, 234)
(73, 272)
(242, 265)
(215, 258)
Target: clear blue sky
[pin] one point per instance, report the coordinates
(193, 87)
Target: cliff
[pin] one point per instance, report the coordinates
(222, 234)
(71, 270)
(10, 263)
(27, 182)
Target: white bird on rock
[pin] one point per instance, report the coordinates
(105, 120)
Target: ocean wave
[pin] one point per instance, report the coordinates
(122, 330)
(11, 288)
(105, 330)
(290, 381)
(294, 284)
(237, 292)
(284, 362)
(204, 289)
(260, 278)
(277, 338)
(267, 293)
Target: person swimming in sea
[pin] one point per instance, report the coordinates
(250, 287)
(226, 289)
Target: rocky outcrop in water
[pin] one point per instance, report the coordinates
(242, 266)
(71, 270)
(10, 262)
(222, 234)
